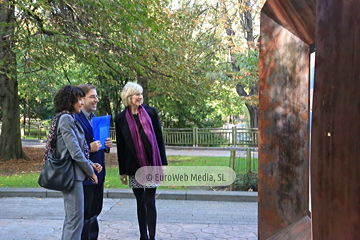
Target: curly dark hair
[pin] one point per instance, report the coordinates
(66, 97)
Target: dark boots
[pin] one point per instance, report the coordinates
(90, 229)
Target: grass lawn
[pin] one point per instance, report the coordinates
(29, 179)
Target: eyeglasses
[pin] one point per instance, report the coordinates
(93, 97)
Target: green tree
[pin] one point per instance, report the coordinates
(237, 18)
(10, 142)
(116, 41)
(170, 51)
(236, 56)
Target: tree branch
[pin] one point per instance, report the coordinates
(32, 71)
(240, 90)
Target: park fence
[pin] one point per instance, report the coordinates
(211, 137)
(243, 160)
(193, 137)
(241, 143)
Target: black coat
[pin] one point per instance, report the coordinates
(127, 159)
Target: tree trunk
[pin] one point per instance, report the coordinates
(246, 22)
(247, 26)
(253, 110)
(10, 138)
(144, 82)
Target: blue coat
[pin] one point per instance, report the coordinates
(95, 157)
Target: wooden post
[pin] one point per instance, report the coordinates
(232, 165)
(195, 137)
(39, 132)
(234, 140)
(248, 160)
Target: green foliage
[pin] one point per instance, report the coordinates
(246, 182)
(186, 113)
(109, 43)
(202, 106)
(238, 54)
(248, 74)
(247, 62)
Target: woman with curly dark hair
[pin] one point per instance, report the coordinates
(69, 141)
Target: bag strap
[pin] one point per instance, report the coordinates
(53, 140)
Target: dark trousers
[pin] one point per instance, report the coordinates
(93, 202)
(146, 211)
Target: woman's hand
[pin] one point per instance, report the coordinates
(123, 179)
(97, 167)
(94, 178)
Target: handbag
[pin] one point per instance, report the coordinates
(57, 174)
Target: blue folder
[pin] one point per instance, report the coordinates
(101, 129)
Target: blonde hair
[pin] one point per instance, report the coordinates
(130, 89)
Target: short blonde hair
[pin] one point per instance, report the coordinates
(130, 89)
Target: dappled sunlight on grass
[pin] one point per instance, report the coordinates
(24, 174)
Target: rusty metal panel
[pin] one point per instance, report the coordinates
(283, 128)
(297, 16)
(301, 230)
(335, 150)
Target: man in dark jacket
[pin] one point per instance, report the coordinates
(93, 193)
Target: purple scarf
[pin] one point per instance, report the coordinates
(52, 147)
(149, 131)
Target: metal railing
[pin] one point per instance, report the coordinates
(38, 132)
(211, 137)
(243, 160)
(194, 137)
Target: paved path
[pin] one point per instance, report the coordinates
(36, 218)
(42, 219)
